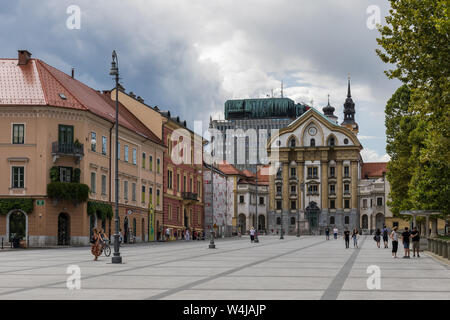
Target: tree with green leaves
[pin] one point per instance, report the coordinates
(416, 43)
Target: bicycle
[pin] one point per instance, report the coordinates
(106, 249)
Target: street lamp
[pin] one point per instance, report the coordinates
(115, 72)
(211, 242)
(256, 214)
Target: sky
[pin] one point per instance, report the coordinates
(191, 56)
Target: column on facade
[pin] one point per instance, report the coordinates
(272, 189)
(434, 223)
(285, 186)
(301, 179)
(427, 222)
(354, 179)
(339, 185)
(324, 184)
(423, 229)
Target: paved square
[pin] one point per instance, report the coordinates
(293, 268)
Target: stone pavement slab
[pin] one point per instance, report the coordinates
(294, 268)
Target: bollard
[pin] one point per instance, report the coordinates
(433, 245)
(429, 244)
(440, 247)
(448, 250)
(445, 249)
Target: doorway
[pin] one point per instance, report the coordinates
(17, 225)
(63, 229)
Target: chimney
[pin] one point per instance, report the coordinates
(140, 99)
(73, 73)
(24, 56)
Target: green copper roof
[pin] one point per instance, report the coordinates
(263, 108)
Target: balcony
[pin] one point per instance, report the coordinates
(313, 177)
(189, 196)
(293, 179)
(67, 149)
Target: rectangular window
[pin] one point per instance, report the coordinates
(104, 145)
(143, 160)
(293, 205)
(157, 197)
(65, 174)
(143, 194)
(347, 204)
(158, 161)
(190, 185)
(261, 200)
(178, 182)
(312, 172)
(364, 205)
(278, 189)
(169, 179)
(150, 194)
(241, 199)
(125, 153)
(93, 141)
(332, 204)
(184, 184)
(346, 172)
(379, 201)
(134, 156)
(103, 184)
(133, 191)
(315, 175)
(18, 136)
(199, 190)
(346, 188)
(18, 177)
(332, 171)
(150, 164)
(293, 172)
(278, 205)
(169, 211)
(125, 190)
(332, 189)
(93, 177)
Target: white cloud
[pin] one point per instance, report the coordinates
(370, 155)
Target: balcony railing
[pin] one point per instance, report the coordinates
(67, 149)
(313, 177)
(189, 196)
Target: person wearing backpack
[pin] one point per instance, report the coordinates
(377, 237)
(385, 237)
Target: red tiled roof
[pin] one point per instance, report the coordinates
(373, 169)
(38, 83)
(248, 173)
(229, 169)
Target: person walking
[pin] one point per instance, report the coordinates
(394, 238)
(188, 235)
(327, 233)
(347, 238)
(355, 237)
(335, 232)
(96, 248)
(385, 237)
(252, 234)
(167, 234)
(415, 237)
(406, 236)
(377, 237)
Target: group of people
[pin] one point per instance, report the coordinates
(407, 237)
(98, 241)
(185, 235)
(354, 236)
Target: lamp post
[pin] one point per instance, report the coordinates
(211, 242)
(256, 214)
(115, 72)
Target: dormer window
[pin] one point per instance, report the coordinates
(312, 143)
(331, 142)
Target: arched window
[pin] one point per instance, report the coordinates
(347, 220)
(312, 143)
(331, 220)
(292, 143)
(331, 142)
(292, 221)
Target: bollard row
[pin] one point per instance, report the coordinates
(439, 247)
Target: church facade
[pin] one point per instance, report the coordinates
(315, 169)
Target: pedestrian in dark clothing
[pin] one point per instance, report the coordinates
(327, 233)
(385, 237)
(415, 237)
(406, 236)
(377, 237)
(347, 238)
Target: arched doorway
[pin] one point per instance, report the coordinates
(365, 221)
(63, 229)
(261, 222)
(186, 219)
(126, 232)
(134, 227)
(332, 220)
(379, 221)
(17, 222)
(312, 214)
(242, 223)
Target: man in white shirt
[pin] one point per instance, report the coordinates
(335, 232)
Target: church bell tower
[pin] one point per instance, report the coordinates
(349, 112)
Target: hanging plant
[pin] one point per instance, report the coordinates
(54, 174)
(102, 210)
(24, 204)
(73, 192)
